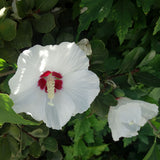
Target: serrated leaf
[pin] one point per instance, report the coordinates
(68, 152)
(80, 148)
(8, 115)
(50, 144)
(81, 127)
(45, 23)
(46, 5)
(8, 29)
(122, 13)
(145, 4)
(97, 150)
(157, 27)
(95, 10)
(35, 149)
(131, 59)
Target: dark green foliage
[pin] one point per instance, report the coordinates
(125, 40)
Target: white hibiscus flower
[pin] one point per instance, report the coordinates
(53, 83)
(128, 116)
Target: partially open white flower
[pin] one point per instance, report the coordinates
(128, 116)
(53, 83)
(85, 46)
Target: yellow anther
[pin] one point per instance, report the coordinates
(50, 88)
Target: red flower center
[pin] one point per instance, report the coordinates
(42, 83)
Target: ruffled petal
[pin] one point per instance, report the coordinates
(148, 111)
(124, 121)
(31, 101)
(58, 115)
(31, 64)
(82, 87)
(128, 116)
(65, 58)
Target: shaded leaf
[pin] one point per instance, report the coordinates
(95, 10)
(50, 144)
(43, 6)
(45, 23)
(35, 149)
(8, 29)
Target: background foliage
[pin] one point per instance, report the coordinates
(125, 40)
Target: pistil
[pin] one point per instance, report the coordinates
(50, 88)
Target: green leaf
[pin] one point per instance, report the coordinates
(131, 59)
(35, 149)
(128, 141)
(147, 79)
(147, 58)
(4, 87)
(80, 148)
(8, 29)
(119, 92)
(95, 10)
(14, 131)
(9, 54)
(5, 152)
(98, 107)
(54, 156)
(157, 27)
(50, 144)
(21, 7)
(23, 40)
(155, 94)
(81, 127)
(97, 150)
(46, 5)
(3, 64)
(146, 5)
(122, 14)
(8, 115)
(14, 147)
(99, 52)
(68, 152)
(153, 153)
(48, 39)
(38, 131)
(109, 100)
(45, 23)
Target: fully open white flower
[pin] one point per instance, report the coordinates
(53, 83)
(128, 116)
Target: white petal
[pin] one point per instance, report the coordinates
(128, 116)
(148, 111)
(31, 101)
(65, 58)
(58, 115)
(31, 63)
(82, 86)
(123, 121)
